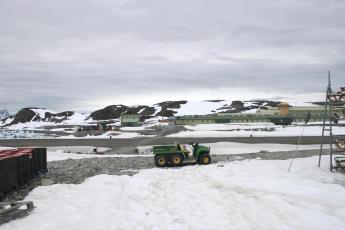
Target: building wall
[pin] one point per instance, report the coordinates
(192, 121)
(297, 114)
(234, 118)
(283, 109)
(130, 120)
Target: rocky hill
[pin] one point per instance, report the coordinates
(115, 111)
(240, 106)
(34, 114)
(163, 109)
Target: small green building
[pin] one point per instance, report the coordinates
(130, 120)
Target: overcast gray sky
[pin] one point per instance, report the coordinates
(85, 54)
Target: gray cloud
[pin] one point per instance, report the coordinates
(86, 54)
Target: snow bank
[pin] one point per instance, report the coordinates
(5, 148)
(145, 150)
(79, 149)
(200, 107)
(230, 130)
(251, 194)
(76, 118)
(32, 125)
(230, 126)
(140, 128)
(107, 135)
(59, 155)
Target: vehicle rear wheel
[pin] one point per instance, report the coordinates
(205, 159)
(161, 161)
(176, 160)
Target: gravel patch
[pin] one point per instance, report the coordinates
(75, 171)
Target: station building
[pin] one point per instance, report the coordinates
(130, 120)
(281, 115)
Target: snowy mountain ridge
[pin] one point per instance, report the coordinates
(40, 115)
(163, 109)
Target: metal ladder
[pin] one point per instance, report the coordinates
(328, 123)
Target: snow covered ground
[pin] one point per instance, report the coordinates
(5, 148)
(128, 132)
(140, 128)
(107, 135)
(200, 107)
(59, 155)
(249, 194)
(257, 130)
(19, 133)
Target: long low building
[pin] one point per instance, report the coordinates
(232, 118)
(281, 115)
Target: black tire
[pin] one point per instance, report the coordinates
(204, 159)
(161, 161)
(176, 160)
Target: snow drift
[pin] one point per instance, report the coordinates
(251, 194)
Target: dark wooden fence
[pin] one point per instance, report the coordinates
(19, 166)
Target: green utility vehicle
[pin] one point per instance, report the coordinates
(177, 154)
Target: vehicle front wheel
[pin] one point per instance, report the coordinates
(176, 160)
(205, 159)
(161, 161)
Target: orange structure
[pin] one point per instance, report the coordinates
(283, 109)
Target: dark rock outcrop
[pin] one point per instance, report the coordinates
(57, 117)
(25, 115)
(167, 105)
(239, 106)
(109, 112)
(28, 114)
(271, 103)
(115, 111)
(5, 120)
(215, 100)
(148, 111)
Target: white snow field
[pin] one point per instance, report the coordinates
(200, 107)
(243, 130)
(249, 194)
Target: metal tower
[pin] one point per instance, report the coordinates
(334, 111)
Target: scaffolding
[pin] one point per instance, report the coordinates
(331, 117)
